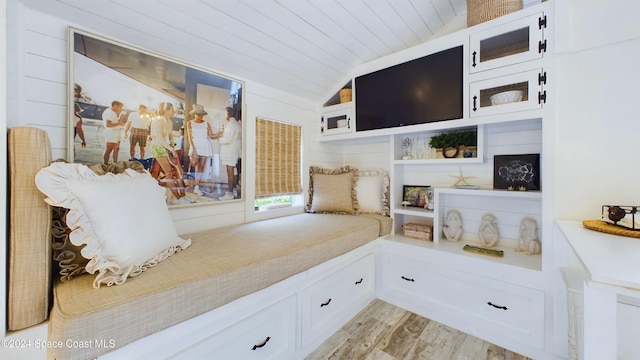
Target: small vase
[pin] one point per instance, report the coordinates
(468, 151)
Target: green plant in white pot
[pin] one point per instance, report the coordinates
(453, 142)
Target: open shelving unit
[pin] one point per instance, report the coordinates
(509, 206)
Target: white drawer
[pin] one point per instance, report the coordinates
(268, 334)
(330, 302)
(485, 307)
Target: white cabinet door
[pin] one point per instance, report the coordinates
(337, 119)
(332, 301)
(496, 311)
(267, 334)
(511, 43)
(510, 93)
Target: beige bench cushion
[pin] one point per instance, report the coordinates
(220, 266)
(29, 250)
(385, 223)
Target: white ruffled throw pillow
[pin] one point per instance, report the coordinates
(122, 219)
(372, 189)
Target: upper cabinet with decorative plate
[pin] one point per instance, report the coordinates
(512, 92)
(506, 44)
(337, 113)
(337, 119)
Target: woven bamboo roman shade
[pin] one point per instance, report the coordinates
(277, 158)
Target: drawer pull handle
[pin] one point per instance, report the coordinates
(407, 279)
(359, 282)
(326, 303)
(261, 344)
(497, 306)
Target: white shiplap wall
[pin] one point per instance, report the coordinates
(38, 78)
(523, 137)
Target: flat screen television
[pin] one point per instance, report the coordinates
(424, 90)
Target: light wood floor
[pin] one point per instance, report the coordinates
(385, 332)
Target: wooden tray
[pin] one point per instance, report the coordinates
(599, 225)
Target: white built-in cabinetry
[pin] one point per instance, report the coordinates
(331, 300)
(267, 334)
(462, 293)
(508, 54)
(337, 119)
(505, 300)
(286, 320)
(520, 39)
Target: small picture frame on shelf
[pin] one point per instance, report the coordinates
(516, 172)
(417, 195)
(429, 205)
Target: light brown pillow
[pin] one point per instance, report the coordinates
(332, 190)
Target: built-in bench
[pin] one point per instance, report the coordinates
(221, 266)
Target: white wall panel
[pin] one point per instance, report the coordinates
(40, 67)
(43, 90)
(502, 139)
(53, 47)
(368, 156)
(615, 20)
(596, 111)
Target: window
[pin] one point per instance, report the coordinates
(278, 163)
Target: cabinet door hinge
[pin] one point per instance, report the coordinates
(542, 78)
(542, 46)
(542, 97)
(542, 22)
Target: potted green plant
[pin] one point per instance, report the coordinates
(451, 143)
(445, 143)
(468, 137)
(468, 143)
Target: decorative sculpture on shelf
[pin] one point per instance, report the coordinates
(406, 148)
(528, 241)
(452, 229)
(488, 232)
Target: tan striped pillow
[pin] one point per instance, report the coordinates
(333, 190)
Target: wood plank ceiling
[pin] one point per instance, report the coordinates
(306, 47)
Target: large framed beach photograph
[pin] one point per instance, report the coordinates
(182, 123)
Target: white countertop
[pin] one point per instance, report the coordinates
(608, 259)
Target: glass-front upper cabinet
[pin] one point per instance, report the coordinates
(336, 119)
(510, 43)
(503, 94)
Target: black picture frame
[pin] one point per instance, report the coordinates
(516, 172)
(416, 195)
